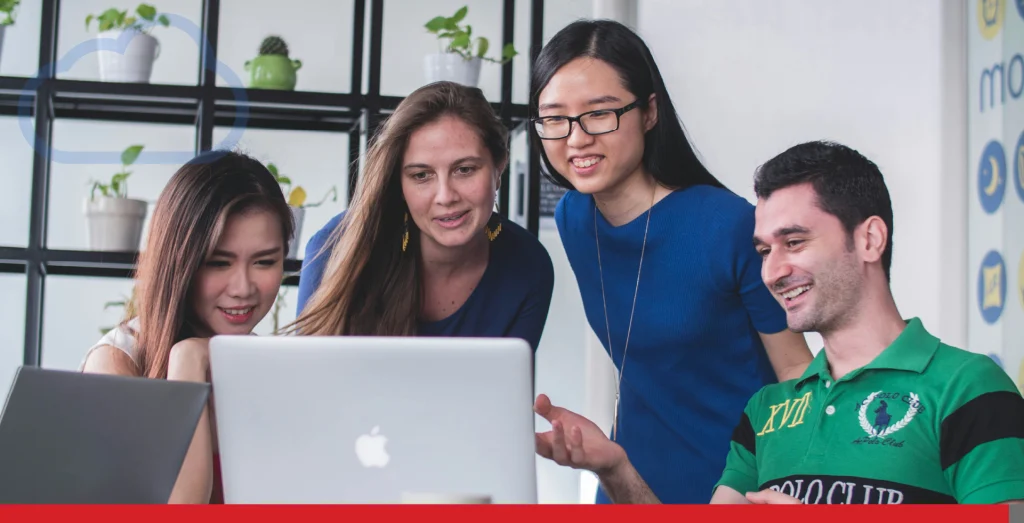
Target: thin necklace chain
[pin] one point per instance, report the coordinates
(604, 299)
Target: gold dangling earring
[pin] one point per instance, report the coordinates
(492, 234)
(405, 235)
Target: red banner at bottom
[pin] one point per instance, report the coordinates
(516, 513)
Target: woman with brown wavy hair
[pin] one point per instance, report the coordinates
(212, 264)
(421, 250)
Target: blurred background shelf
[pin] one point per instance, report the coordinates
(51, 105)
(86, 263)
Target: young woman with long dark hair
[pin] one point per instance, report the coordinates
(212, 264)
(662, 253)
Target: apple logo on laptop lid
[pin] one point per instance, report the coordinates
(371, 449)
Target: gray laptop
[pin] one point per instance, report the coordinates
(374, 420)
(68, 437)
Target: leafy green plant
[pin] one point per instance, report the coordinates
(279, 305)
(118, 185)
(119, 303)
(126, 302)
(297, 195)
(9, 11)
(460, 38)
(144, 19)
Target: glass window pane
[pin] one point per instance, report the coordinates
(521, 63)
(20, 55)
(321, 40)
(12, 327)
(15, 198)
(71, 174)
(315, 161)
(74, 316)
(518, 182)
(559, 14)
(177, 53)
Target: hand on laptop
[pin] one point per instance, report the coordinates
(575, 441)
(190, 360)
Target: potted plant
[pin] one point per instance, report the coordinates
(459, 60)
(297, 201)
(8, 13)
(115, 221)
(135, 64)
(272, 68)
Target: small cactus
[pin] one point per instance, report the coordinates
(274, 45)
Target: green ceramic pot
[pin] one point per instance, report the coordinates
(272, 71)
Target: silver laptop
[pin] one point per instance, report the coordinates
(374, 420)
(68, 437)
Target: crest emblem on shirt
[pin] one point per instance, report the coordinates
(875, 414)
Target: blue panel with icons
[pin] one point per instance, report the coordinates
(992, 287)
(990, 17)
(1018, 164)
(992, 177)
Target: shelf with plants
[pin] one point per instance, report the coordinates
(268, 100)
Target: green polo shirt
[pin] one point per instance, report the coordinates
(922, 423)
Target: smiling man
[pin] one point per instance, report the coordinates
(886, 413)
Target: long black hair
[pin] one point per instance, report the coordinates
(668, 154)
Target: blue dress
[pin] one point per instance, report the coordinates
(694, 356)
(511, 300)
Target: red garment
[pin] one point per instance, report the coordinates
(217, 496)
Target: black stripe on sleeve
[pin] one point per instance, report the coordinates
(989, 417)
(744, 434)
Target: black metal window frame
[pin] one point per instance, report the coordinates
(205, 106)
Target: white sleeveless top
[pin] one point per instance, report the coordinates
(119, 337)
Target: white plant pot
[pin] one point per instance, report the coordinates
(115, 224)
(298, 215)
(135, 65)
(451, 67)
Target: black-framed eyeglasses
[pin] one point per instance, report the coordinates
(601, 121)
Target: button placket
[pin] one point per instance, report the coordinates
(822, 436)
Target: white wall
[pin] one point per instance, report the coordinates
(753, 78)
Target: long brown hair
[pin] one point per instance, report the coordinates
(370, 287)
(186, 226)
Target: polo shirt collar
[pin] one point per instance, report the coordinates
(911, 351)
(818, 368)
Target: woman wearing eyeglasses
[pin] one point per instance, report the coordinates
(663, 257)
